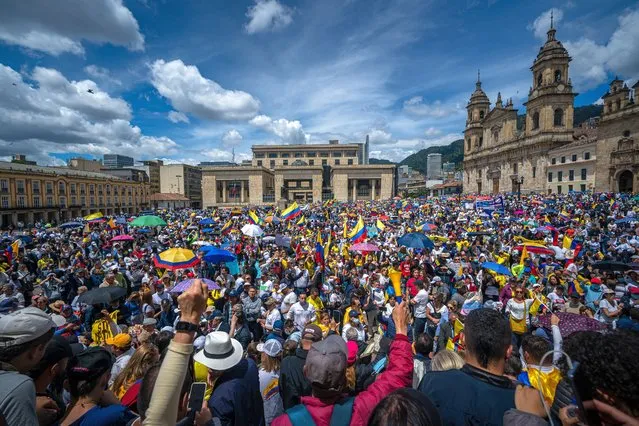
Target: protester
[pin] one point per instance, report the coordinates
(293, 382)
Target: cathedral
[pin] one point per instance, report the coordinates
(545, 153)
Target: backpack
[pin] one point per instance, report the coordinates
(342, 413)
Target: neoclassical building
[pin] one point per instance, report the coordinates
(546, 154)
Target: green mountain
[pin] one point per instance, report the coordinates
(450, 153)
(379, 161)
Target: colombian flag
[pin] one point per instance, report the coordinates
(291, 211)
(227, 227)
(254, 219)
(302, 221)
(93, 216)
(358, 233)
(319, 251)
(112, 224)
(379, 225)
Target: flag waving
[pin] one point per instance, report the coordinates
(358, 234)
(379, 225)
(227, 227)
(254, 218)
(291, 211)
(319, 251)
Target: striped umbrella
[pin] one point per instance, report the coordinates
(176, 258)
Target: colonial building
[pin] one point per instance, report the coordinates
(572, 167)
(306, 173)
(31, 193)
(499, 156)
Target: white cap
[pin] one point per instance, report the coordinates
(23, 326)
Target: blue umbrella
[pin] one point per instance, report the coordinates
(207, 221)
(496, 267)
(121, 220)
(626, 220)
(144, 230)
(207, 230)
(216, 255)
(416, 240)
(68, 225)
(25, 239)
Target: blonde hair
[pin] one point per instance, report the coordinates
(145, 357)
(351, 378)
(446, 360)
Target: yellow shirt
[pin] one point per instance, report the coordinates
(317, 304)
(201, 375)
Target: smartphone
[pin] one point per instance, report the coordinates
(196, 397)
(582, 389)
(379, 365)
(337, 316)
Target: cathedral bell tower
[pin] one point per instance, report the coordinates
(550, 100)
(478, 108)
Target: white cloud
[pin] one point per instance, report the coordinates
(541, 25)
(55, 115)
(60, 28)
(379, 136)
(101, 74)
(431, 131)
(267, 15)
(291, 132)
(232, 138)
(416, 107)
(176, 117)
(190, 92)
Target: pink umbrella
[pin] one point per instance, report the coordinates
(518, 212)
(123, 237)
(364, 247)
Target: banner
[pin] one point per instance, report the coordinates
(490, 205)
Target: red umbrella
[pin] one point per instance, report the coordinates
(123, 237)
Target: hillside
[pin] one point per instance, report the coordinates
(450, 153)
(379, 161)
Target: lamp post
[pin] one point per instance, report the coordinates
(519, 181)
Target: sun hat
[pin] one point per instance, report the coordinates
(220, 352)
(23, 326)
(271, 347)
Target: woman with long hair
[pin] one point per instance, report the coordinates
(126, 384)
(269, 374)
(518, 310)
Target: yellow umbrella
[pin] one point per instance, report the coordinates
(176, 258)
(93, 216)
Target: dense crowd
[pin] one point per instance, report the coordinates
(458, 311)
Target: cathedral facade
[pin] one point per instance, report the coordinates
(502, 156)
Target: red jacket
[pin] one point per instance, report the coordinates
(398, 374)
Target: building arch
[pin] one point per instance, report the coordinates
(535, 120)
(558, 118)
(625, 181)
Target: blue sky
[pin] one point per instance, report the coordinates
(191, 80)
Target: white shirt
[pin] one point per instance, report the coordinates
(301, 315)
(421, 300)
(361, 332)
(119, 365)
(266, 287)
(273, 316)
(604, 304)
(288, 301)
(158, 298)
(518, 309)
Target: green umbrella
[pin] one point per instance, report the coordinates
(148, 221)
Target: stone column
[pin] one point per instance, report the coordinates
(241, 191)
(223, 191)
(354, 189)
(373, 182)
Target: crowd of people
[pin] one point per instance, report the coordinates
(454, 310)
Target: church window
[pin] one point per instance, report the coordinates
(535, 121)
(553, 161)
(515, 168)
(609, 106)
(549, 176)
(496, 135)
(574, 157)
(534, 170)
(539, 79)
(479, 173)
(618, 104)
(468, 144)
(586, 156)
(563, 160)
(557, 76)
(559, 117)
(560, 176)
(626, 133)
(481, 115)
(481, 141)
(571, 175)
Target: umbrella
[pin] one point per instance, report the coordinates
(200, 243)
(428, 226)
(536, 249)
(67, 225)
(93, 216)
(148, 221)
(208, 230)
(272, 219)
(480, 233)
(144, 231)
(570, 323)
(496, 267)
(207, 221)
(364, 247)
(182, 286)
(626, 220)
(102, 295)
(122, 237)
(176, 258)
(26, 239)
(269, 239)
(611, 266)
(416, 240)
(121, 220)
(282, 240)
(216, 255)
(251, 230)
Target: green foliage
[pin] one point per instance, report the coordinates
(379, 161)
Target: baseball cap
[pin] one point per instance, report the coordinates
(121, 340)
(271, 347)
(90, 364)
(149, 321)
(312, 332)
(23, 326)
(215, 314)
(595, 280)
(325, 365)
(278, 326)
(436, 279)
(609, 291)
(353, 313)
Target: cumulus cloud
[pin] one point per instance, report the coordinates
(37, 25)
(190, 92)
(101, 74)
(232, 138)
(541, 24)
(55, 115)
(290, 132)
(176, 117)
(379, 136)
(267, 15)
(416, 107)
(431, 131)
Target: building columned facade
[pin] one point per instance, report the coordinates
(305, 173)
(546, 153)
(31, 193)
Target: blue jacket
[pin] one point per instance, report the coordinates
(236, 399)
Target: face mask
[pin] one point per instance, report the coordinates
(355, 321)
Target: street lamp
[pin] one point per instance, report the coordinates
(519, 181)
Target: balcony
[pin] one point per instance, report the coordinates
(36, 191)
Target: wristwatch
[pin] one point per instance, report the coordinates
(189, 327)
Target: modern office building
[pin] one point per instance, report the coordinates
(182, 179)
(152, 170)
(305, 173)
(116, 161)
(31, 193)
(434, 166)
